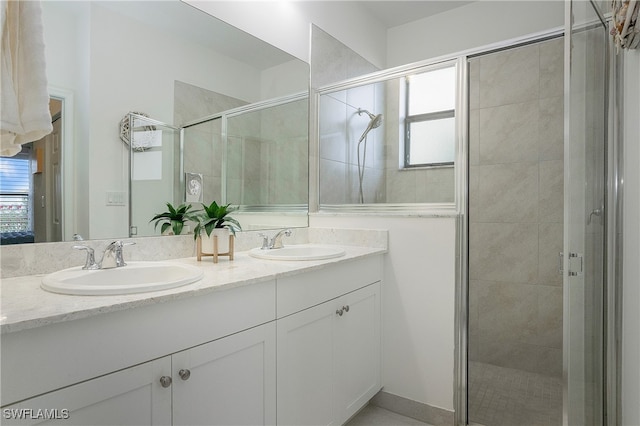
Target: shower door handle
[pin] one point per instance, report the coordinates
(561, 263)
(595, 212)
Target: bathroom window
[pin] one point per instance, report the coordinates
(15, 175)
(430, 118)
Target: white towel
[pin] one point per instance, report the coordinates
(24, 108)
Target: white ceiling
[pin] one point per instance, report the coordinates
(397, 12)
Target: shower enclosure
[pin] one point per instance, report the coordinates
(515, 235)
(526, 178)
(585, 267)
(254, 157)
(537, 339)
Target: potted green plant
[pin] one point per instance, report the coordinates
(215, 220)
(172, 221)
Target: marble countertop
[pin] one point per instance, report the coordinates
(24, 305)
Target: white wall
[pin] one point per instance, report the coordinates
(631, 243)
(66, 32)
(288, 24)
(418, 297)
(477, 24)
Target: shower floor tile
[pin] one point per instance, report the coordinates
(501, 396)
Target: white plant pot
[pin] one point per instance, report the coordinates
(223, 241)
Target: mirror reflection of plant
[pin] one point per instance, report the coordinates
(174, 217)
(215, 216)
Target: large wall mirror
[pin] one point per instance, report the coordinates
(392, 139)
(388, 140)
(165, 59)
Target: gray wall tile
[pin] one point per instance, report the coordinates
(504, 252)
(552, 68)
(551, 128)
(507, 193)
(509, 77)
(551, 201)
(516, 134)
(509, 133)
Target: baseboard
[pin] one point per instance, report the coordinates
(417, 410)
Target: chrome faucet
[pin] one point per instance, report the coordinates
(111, 258)
(90, 263)
(276, 241)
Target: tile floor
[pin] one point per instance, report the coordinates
(501, 396)
(376, 416)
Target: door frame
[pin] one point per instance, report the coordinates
(68, 196)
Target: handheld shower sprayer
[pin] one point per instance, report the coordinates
(374, 122)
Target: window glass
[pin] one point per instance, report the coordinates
(432, 91)
(432, 142)
(14, 194)
(430, 118)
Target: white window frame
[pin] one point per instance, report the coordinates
(405, 141)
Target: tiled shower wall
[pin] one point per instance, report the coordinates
(340, 130)
(268, 155)
(516, 208)
(203, 143)
(341, 126)
(268, 149)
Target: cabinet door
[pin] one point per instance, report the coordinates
(231, 381)
(133, 396)
(305, 367)
(357, 349)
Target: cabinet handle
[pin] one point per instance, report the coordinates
(342, 310)
(184, 374)
(165, 381)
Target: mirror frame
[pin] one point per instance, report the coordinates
(447, 209)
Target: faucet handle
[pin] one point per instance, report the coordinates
(276, 241)
(90, 262)
(265, 240)
(113, 255)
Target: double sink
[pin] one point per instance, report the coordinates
(140, 277)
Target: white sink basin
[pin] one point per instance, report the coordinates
(297, 253)
(136, 277)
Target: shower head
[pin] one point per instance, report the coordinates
(376, 121)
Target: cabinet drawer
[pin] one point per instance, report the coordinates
(298, 292)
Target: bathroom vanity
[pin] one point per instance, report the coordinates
(254, 342)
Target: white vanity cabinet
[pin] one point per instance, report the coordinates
(107, 369)
(293, 348)
(227, 381)
(127, 397)
(329, 352)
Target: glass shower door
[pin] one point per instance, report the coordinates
(583, 260)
